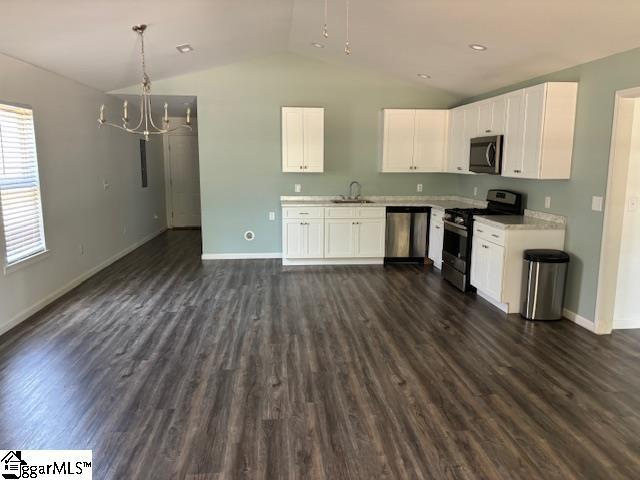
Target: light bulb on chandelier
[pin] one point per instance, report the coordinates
(145, 126)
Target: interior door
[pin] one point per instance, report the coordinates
(185, 180)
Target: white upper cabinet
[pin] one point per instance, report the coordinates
(399, 130)
(302, 139)
(491, 116)
(430, 140)
(458, 151)
(512, 155)
(539, 139)
(414, 140)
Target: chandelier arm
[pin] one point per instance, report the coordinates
(151, 117)
(141, 116)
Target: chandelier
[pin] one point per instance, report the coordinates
(145, 125)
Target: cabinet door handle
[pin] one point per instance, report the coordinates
(495, 236)
(480, 231)
(459, 168)
(517, 171)
(487, 131)
(437, 227)
(485, 246)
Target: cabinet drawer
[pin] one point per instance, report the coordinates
(371, 212)
(303, 212)
(491, 234)
(340, 212)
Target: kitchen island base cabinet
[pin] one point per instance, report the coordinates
(497, 263)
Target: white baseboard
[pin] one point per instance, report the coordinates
(502, 306)
(626, 324)
(25, 314)
(240, 256)
(332, 261)
(580, 320)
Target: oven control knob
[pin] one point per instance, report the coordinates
(459, 220)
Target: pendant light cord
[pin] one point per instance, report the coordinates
(347, 45)
(325, 28)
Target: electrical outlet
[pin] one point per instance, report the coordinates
(124, 230)
(105, 185)
(297, 187)
(596, 203)
(633, 204)
(475, 191)
(81, 249)
(272, 216)
(419, 187)
(547, 202)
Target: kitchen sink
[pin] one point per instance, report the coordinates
(350, 200)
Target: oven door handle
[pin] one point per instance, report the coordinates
(452, 227)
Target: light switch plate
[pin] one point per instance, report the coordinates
(633, 204)
(596, 203)
(297, 188)
(272, 215)
(475, 191)
(547, 202)
(419, 187)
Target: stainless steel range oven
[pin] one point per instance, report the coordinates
(458, 232)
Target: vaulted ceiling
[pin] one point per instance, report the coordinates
(91, 41)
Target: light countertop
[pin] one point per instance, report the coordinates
(519, 222)
(384, 201)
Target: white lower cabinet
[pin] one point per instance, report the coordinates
(486, 267)
(303, 238)
(356, 238)
(333, 235)
(436, 237)
(370, 238)
(497, 264)
(339, 238)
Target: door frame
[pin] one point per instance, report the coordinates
(167, 168)
(613, 217)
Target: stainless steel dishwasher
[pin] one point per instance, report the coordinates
(407, 234)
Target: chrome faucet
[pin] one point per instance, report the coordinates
(351, 195)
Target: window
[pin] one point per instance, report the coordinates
(20, 206)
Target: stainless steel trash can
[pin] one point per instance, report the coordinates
(543, 279)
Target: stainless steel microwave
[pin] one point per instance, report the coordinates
(485, 155)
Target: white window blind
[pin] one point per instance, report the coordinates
(20, 203)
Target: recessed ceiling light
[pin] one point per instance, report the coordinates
(317, 45)
(184, 48)
(424, 75)
(477, 47)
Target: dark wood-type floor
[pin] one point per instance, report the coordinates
(170, 368)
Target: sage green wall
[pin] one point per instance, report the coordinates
(239, 139)
(598, 82)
